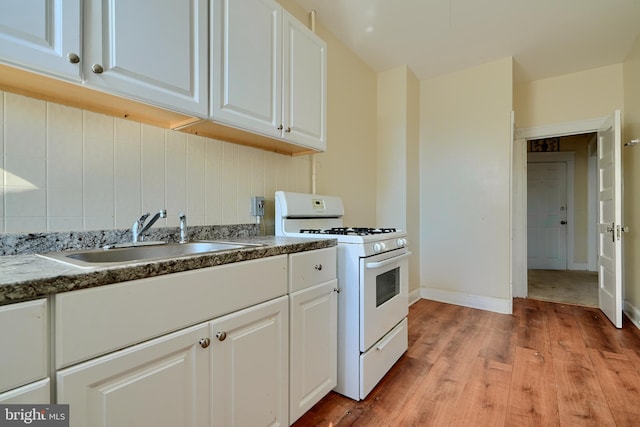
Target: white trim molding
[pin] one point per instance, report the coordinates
(497, 305)
(561, 129)
(414, 296)
(633, 313)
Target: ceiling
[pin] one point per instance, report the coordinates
(545, 37)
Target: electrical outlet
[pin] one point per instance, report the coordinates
(257, 206)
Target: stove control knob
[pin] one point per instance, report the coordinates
(401, 243)
(379, 247)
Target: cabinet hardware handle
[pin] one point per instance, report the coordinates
(288, 129)
(73, 58)
(97, 69)
(221, 336)
(204, 342)
(318, 267)
(336, 290)
(280, 127)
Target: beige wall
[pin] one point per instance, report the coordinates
(572, 97)
(631, 182)
(398, 152)
(351, 129)
(465, 167)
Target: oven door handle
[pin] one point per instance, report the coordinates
(382, 263)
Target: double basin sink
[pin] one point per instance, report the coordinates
(146, 251)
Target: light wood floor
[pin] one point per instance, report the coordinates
(548, 364)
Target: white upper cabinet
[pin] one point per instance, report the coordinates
(305, 85)
(268, 72)
(246, 72)
(42, 36)
(154, 52)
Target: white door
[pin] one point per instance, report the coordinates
(250, 366)
(547, 216)
(246, 64)
(151, 51)
(609, 220)
(42, 36)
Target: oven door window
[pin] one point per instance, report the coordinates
(387, 286)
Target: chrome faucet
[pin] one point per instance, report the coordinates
(138, 228)
(184, 235)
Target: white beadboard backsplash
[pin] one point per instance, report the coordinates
(65, 169)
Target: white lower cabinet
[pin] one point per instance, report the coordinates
(250, 366)
(24, 358)
(313, 332)
(162, 382)
(314, 340)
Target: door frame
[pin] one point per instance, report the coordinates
(568, 158)
(519, 190)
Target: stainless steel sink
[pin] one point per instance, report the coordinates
(129, 254)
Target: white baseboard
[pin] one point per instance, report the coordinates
(497, 305)
(414, 296)
(633, 313)
(578, 266)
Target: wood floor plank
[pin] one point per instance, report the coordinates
(436, 397)
(580, 397)
(620, 384)
(485, 395)
(434, 331)
(533, 328)
(532, 396)
(596, 330)
(564, 332)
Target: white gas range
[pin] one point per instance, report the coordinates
(373, 280)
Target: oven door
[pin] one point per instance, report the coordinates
(384, 299)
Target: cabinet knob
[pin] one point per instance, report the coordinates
(280, 127)
(318, 267)
(336, 290)
(73, 58)
(221, 336)
(97, 69)
(204, 342)
(288, 129)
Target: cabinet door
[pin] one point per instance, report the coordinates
(249, 366)
(246, 70)
(154, 52)
(314, 341)
(24, 357)
(163, 382)
(40, 35)
(305, 85)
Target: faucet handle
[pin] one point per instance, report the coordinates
(143, 218)
(184, 235)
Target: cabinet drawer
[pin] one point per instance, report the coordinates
(37, 393)
(24, 354)
(375, 363)
(311, 268)
(91, 322)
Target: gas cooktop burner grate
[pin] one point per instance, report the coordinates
(345, 231)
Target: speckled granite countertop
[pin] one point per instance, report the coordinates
(25, 277)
